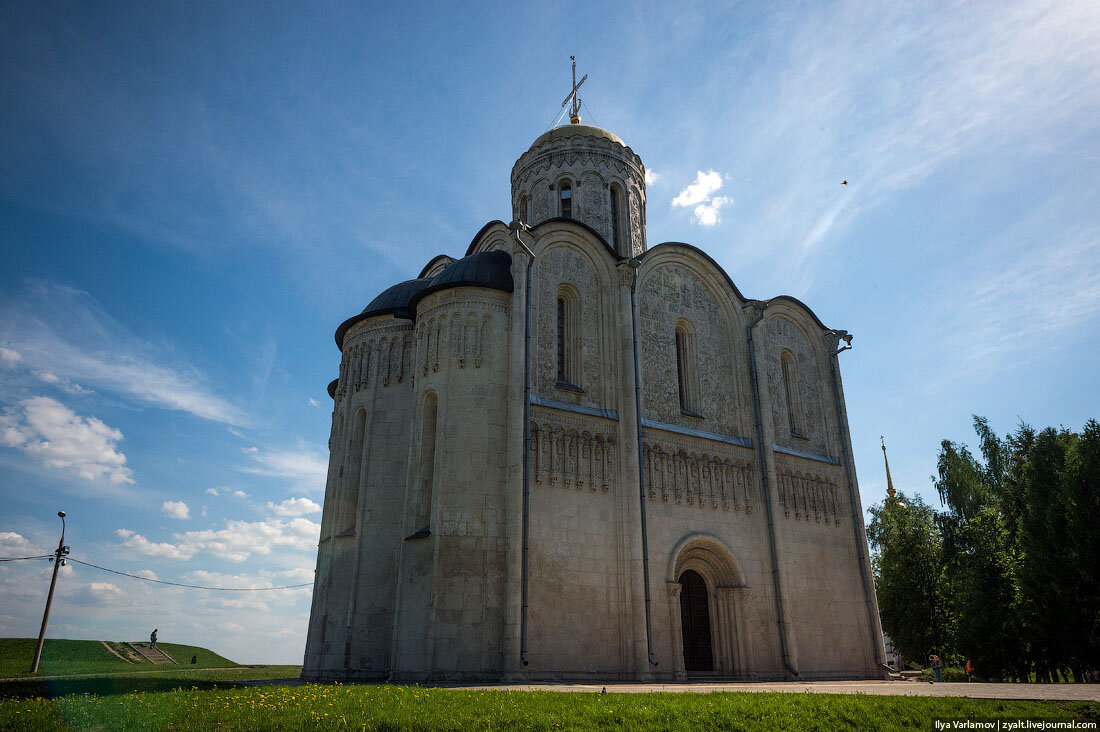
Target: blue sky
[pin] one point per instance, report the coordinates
(193, 196)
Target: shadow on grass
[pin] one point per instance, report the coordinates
(109, 686)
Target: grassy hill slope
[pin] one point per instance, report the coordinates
(61, 656)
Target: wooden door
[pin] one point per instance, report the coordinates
(695, 619)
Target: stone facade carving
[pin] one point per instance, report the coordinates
(565, 265)
(591, 159)
(782, 334)
(807, 496)
(710, 481)
(565, 454)
(432, 554)
(666, 295)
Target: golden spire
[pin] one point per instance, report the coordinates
(889, 482)
(575, 112)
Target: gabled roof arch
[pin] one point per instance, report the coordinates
(799, 304)
(555, 220)
(435, 264)
(709, 259)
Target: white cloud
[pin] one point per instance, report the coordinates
(52, 434)
(236, 542)
(212, 491)
(706, 214)
(124, 533)
(63, 335)
(9, 357)
(306, 466)
(176, 510)
(103, 593)
(16, 545)
(240, 494)
(313, 402)
(294, 507)
(698, 192)
(651, 176)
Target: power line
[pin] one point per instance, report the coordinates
(17, 559)
(194, 587)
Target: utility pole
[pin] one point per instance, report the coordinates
(58, 561)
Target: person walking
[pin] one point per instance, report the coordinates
(153, 638)
(969, 669)
(936, 665)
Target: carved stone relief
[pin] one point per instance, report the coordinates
(808, 496)
(783, 335)
(710, 481)
(570, 453)
(564, 265)
(667, 294)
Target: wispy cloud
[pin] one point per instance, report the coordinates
(651, 176)
(887, 96)
(62, 335)
(50, 433)
(306, 466)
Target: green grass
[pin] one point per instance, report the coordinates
(315, 707)
(89, 657)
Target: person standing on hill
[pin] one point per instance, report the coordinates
(153, 638)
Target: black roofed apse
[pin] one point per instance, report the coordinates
(484, 269)
(393, 300)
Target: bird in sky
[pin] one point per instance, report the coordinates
(844, 182)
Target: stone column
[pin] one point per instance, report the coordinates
(513, 490)
(629, 461)
(676, 624)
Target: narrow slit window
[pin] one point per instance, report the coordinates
(568, 339)
(680, 348)
(687, 377)
(566, 195)
(521, 213)
(615, 229)
(790, 386)
(427, 462)
(561, 339)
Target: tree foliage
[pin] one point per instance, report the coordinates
(1007, 573)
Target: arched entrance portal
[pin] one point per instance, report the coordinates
(707, 600)
(695, 622)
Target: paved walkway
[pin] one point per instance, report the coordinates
(1061, 692)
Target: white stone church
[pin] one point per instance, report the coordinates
(570, 455)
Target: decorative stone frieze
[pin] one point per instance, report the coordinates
(569, 452)
(808, 496)
(675, 474)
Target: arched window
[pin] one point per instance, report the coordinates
(427, 462)
(794, 400)
(521, 213)
(687, 372)
(568, 339)
(565, 194)
(616, 225)
(350, 501)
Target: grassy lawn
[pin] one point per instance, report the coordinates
(90, 657)
(315, 707)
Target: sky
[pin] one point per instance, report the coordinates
(194, 195)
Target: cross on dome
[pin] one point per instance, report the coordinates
(575, 113)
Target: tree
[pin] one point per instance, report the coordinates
(909, 579)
